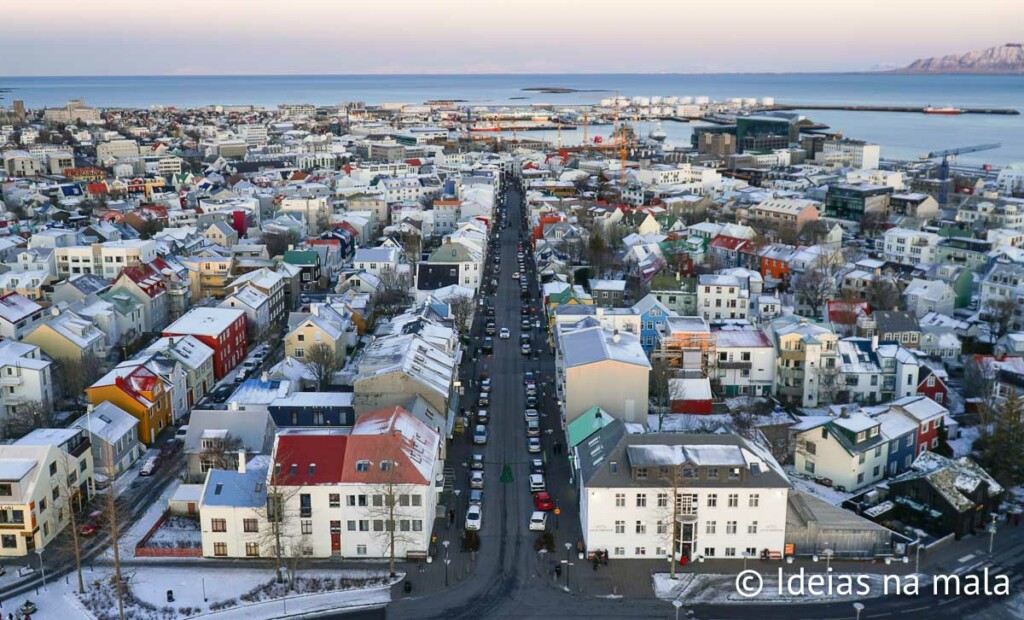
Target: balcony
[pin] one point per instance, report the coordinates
(11, 380)
(735, 365)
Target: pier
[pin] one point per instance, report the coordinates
(885, 108)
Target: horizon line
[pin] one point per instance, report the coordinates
(482, 74)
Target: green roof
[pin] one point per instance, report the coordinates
(301, 257)
(589, 422)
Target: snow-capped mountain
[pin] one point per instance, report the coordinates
(1008, 58)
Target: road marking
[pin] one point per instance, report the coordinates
(949, 600)
(966, 558)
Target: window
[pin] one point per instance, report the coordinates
(662, 500)
(351, 526)
(417, 500)
(305, 505)
(752, 528)
(641, 500)
(364, 525)
(8, 541)
(641, 550)
(350, 500)
(220, 549)
(734, 473)
(360, 549)
(641, 527)
(710, 527)
(734, 500)
(620, 551)
(712, 472)
(417, 524)
(334, 500)
(378, 525)
(876, 471)
(755, 500)
(252, 550)
(860, 477)
(250, 525)
(712, 500)
(709, 552)
(307, 526)
(730, 527)
(641, 473)
(299, 353)
(662, 527)
(809, 466)
(730, 552)
(403, 499)
(620, 500)
(620, 527)
(378, 500)
(218, 525)
(5, 490)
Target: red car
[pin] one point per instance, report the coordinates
(542, 501)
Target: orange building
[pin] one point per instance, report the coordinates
(140, 392)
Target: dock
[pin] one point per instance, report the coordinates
(884, 108)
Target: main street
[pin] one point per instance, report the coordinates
(507, 578)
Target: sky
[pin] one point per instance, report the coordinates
(255, 37)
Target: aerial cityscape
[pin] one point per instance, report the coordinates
(477, 311)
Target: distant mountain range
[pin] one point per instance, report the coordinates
(1007, 58)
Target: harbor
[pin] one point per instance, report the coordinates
(893, 108)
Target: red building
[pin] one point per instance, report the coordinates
(929, 416)
(221, 329)
(690, 395)
(931, 385)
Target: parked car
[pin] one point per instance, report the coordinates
(490, 329)
(480, 435)
(524, 324)
(474, 517)
(529, 377)
(488, 345)
(476, 496)
(476, 461)
(531, 414)
(504, 334)
(525, 349)
(484, 400)
(538, 521)
(531, 401)
(543, 501)
(481, 416)
(537, 483)
(515, 275)
(149, 467)
(536, 466)
(181, 432)
(533, 428)
(533, 445)
(476, 480)
(92, 524)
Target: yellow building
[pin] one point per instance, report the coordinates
(141, 393)
(67, 336)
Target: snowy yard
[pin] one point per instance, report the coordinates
(828, 494)
(177, 531)
(139, 528)
(247, 594)
(962, 444)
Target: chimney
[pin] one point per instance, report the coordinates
(233, 405)
(265, 377)
(241, 460)
(170, 341)
(874, 342)
(616, 337)
(89, 408)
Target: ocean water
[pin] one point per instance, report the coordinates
(901, 135)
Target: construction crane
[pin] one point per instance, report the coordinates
(944, 166)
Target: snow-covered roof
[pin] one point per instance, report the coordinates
(205, 321)
(597, 344)
(107, 421)
(15, 307)
(239, 490)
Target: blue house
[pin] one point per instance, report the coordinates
(900, 431)
(313, 409)
(652, 319)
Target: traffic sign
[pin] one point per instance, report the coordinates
(558, 511)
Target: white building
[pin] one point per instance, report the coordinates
(596, 367)
(850, 449)
(731, 496)
(924, 296)
(314, 211)
(722, 297)
(25, 377)
(909, 247)
(744, 362)
(853, 153)
(334, 489)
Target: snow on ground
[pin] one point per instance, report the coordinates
(138, 529)
(178, 531)
(962, 444)
(829, 494)
(681, 422)
(149, 584)
(703, 588)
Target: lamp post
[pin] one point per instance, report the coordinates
(746, 556)
(917, 557)
(991, 534)
(676, 603)
(568, 550)
(858, 607)
(42, 568)
(457, 492)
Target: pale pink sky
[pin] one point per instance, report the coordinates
(153, 37)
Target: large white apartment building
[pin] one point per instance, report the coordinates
(105, 259)
(698, 495)
(909, 247)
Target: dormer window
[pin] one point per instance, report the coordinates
(387, 465)
(294, 469)
(362, 465)
(613, 467)
(641, 473)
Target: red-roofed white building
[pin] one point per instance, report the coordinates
(335, 487)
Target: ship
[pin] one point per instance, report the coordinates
(658, 134)
(942, 110)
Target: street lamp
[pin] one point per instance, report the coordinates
(859, 607)
(568, 549)
(677, 604)
(458, 507)
(42, 569)
(447, 561)
(828, 559)
(991, 534)
(746, 555)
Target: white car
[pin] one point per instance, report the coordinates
(149, 467)
(515, 275)
(474, 517)
(533, 445)
(476, 480)
(531, 414)
(536, 483)
(538, 521)
(480, 435)
(504, 334)
(533, 428)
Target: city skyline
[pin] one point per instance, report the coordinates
(313, 37)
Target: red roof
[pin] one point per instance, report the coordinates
(840, 311)
(146, 278)
(728, 243)
(309, 459)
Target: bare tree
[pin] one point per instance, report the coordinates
(813, 289)
(69, 498)
(999, 315)
(830, 384)
(883, 294)
(393, 297)
(27, 417)
(391, 508)
(279, 243)
(221, 453)
(322, 361)
(979, 386)
(280, 533)
(72, 376)
(110, 507)
(461, 309)
(598, 254)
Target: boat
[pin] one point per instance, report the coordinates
(943, 110)
(484, 128)
(657, 133)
